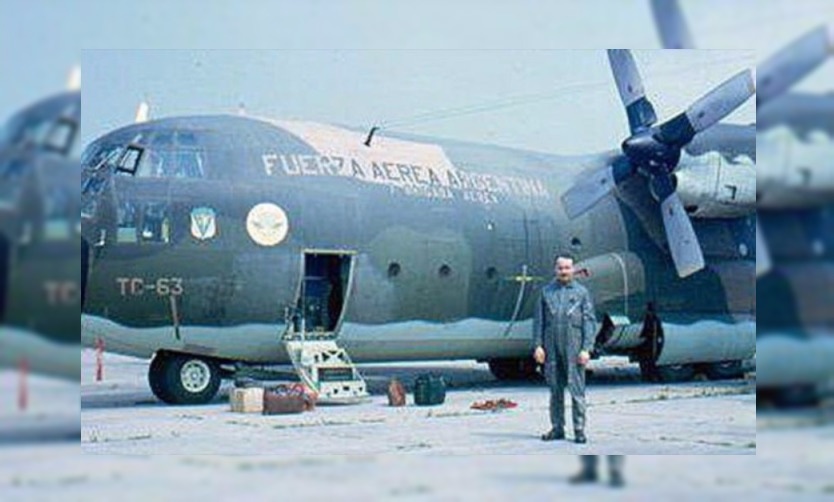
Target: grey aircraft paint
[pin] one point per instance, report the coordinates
(40, 238)
(450, 242)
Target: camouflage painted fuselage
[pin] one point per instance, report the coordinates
(40, 238)
(796, 152)
(452, 242)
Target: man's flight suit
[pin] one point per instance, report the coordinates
(563, 326)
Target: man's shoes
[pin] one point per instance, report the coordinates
(580, 438)
(583, 477)
(617, 480)
(553, 435)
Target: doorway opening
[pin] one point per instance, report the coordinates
(324, 291)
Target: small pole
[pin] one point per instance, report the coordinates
(99, 359)
(23, 386)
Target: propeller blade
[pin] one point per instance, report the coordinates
(641, 114)
(671, 25)
(593, 187)
(708, 110)
(792, 63)
(763, 263)
(683, 242)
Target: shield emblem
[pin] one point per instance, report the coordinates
(203, 223)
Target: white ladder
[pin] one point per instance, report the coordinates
(326, 368)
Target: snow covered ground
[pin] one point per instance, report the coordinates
(46, 474)
(120, 415)
(453, 453)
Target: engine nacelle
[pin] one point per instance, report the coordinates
(794, 173)
(712, 186)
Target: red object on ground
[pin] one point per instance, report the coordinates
(99, 359)
(492, 405)
(23, 389)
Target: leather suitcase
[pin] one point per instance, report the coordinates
(276, 403)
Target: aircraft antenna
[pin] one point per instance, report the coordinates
(370, 137)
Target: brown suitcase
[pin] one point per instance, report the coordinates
(396, 393)
(282, 404)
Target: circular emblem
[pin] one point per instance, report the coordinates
(267, 224)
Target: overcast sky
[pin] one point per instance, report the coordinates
(395, 60)
(569, 103)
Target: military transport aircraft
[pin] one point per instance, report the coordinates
(795, 195)
(39, 236)
(215, 242)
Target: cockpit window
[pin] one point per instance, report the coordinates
(128, 222)
(58, 217)
(172, 163)
(156, 225)
(12, 170)
(129, 159)
(98, 158)
(61, 136)
(151, 154)
(47, 133)
(143, 223)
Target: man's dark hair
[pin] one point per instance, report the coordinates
(565, 256)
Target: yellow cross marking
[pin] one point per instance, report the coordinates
(524, 277)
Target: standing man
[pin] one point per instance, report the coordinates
(589, 474)
(564, 329)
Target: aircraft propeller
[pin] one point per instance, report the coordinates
(654, 151)
(774, 76)
(791, 64)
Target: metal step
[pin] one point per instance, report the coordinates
(326, 368)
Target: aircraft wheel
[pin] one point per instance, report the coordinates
(796, 396)
(668, 373)
(184, 379)
(725, 370)
(155, 372)
(513, 369)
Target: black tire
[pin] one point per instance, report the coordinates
(725, 370)
(796, 396)
(667, 374)
(184, 379)
(513, 369)
(155, 372)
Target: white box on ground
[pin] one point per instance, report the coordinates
(249, 400)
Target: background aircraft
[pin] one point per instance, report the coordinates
(795, 191)
(39, 236)
(213, 242)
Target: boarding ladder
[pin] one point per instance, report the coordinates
(324, 366)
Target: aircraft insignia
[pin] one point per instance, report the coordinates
(203, 223)
(267, 224)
